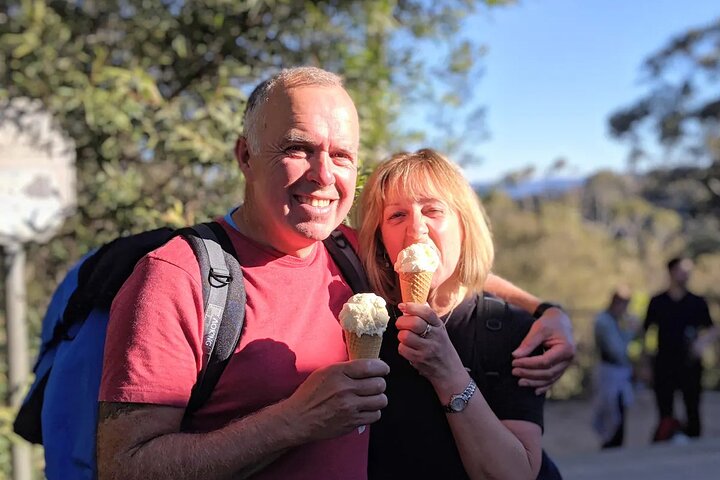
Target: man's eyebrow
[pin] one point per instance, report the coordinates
(298, 137)
(301, 138)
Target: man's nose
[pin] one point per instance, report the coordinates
(321, 170)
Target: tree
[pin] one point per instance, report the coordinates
(682, 108)
(552, 251)
(152, 93)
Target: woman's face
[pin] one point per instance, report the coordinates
(424, 220)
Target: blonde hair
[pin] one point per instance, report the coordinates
(419, 174)
(288, 78)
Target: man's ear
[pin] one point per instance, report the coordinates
(242, 155)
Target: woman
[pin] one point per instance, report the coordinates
(494, 430)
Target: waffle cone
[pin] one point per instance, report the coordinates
(415, 286)
(363, 346)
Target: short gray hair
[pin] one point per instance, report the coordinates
(288, 78)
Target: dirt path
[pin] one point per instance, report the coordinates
(568, 431)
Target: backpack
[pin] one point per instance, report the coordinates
(493, 314)
(60, 409)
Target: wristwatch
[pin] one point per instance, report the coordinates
(458, 402)
(544, 306)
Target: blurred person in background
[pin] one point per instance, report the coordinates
(614, 329)
(685, 329)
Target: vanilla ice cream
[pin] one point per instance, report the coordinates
(415, 267)
(364, 314)
(418, 257)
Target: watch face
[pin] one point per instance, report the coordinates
(457, 404)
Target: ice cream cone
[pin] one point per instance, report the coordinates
(415, 286)
(363, 346)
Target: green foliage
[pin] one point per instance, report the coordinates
(152, 94)
(548, 248)
(616, 230)
(681, 109)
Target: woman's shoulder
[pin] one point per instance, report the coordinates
(503, 315)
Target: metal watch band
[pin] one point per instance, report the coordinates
(463, 397)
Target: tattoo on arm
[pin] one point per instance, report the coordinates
(111, 410)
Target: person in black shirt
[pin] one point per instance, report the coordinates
(680, 317)
(444, 419)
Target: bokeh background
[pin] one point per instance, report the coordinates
(585, 189)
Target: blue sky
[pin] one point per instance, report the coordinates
(556, 69)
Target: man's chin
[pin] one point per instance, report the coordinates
(315, 231)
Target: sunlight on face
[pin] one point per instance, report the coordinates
(422, 216)
(303, 176)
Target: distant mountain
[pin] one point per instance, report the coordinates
(531, 188)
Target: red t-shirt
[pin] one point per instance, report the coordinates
(153, 351)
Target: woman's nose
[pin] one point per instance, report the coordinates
(418, 227)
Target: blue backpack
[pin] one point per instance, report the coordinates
(60, 409)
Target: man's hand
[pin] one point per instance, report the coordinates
(553, 331)
(334, 400)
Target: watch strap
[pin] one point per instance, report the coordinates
(540, 310)
(465, 396)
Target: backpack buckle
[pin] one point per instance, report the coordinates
(219, 277)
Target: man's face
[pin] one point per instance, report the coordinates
(680, 274)
(301, 181)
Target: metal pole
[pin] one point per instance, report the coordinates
(18, 364)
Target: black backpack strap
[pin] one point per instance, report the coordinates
(490, 314)
(224, 297)
(102, 274)
(347, 261)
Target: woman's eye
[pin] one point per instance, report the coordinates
(395, 215)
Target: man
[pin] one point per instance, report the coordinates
(680, 317)
(613, 332)
(288, 400)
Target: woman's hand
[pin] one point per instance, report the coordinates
(424, 342)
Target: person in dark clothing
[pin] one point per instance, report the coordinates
(446, 418)
(684, 329)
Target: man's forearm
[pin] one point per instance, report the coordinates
(510, 293)
(235, 451)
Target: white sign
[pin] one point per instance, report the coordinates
(37, 173)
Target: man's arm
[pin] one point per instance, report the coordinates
(512, 294)
(553, 330)
(707, 337)
(138, 441)
(708, 334)
(143, 441)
